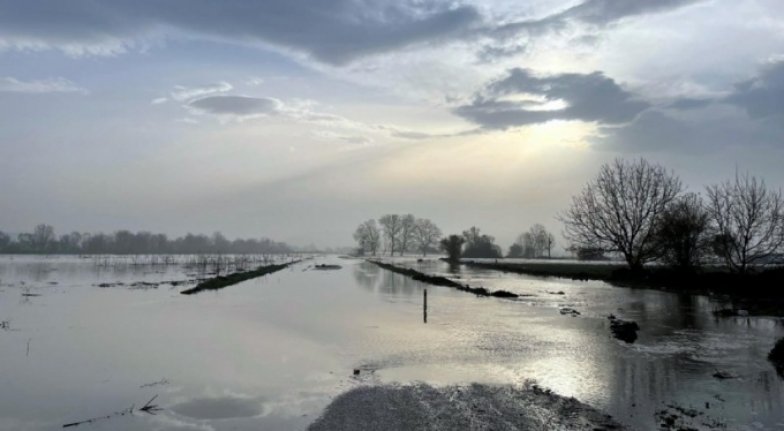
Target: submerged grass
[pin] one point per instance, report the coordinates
(222, 281)
(443, 281)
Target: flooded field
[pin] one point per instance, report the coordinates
(272, 352)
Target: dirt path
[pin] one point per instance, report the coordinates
(475, 407)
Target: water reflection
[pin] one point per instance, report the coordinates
(263, 353)
(367, 275)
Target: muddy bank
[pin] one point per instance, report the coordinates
(755, 294)
(423, 407)
(443, 281)
(222, 281)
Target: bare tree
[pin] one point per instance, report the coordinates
(408, 226)
(748, 219)
(479, 245)
(527, 245)
(426, 235)
(538, 241)
(392, 225)
(453, 246)
(368, 236)
(619, 209)
(5, 240)
(681, 232)
(43, 238)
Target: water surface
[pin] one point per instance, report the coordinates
(270, 353)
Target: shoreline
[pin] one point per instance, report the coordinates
(757, 294)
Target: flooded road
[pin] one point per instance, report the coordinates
(272, 352)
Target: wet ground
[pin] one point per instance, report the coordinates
(272, 352)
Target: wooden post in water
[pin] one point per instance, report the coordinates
(424, 308)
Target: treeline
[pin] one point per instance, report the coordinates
(396, 233)
(44, 240)
(640, 211)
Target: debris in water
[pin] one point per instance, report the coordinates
(624, 330)
(148, 408)
(325, 266)
(570, 311)
(160, 382)
(722, 375)
(776, 356)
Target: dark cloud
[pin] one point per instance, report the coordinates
(333, 31)
(710, 130)
(690, 103)
(763, 96)
(602, 12)
(752, 114)
(240, 106)
(587, 97)
(592, 12)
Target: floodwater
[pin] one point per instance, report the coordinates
(270, 353)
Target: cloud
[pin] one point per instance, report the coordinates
(589, 12)
(762, 96)
(751, 114)
(182, 93)
(50, 85)
(332, 31)
(602, 12)
(237, 106)
(686, 103)
(522, 98)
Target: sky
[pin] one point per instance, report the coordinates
(299, 119)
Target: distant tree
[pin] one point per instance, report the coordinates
(70, 243)
(160, 243)
(368, 237)
(426, 235)
(535, 243)
(43, 238)
(619, 210)
(453, 247)
(587, 253)
(681, 233)
(515, 250)
(407, 232)
(747, 219)
(543, 240)
(219, 243)
(392, 226)
(527, 244)
(5, 241)
(479, 245)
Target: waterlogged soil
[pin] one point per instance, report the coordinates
(273, 352)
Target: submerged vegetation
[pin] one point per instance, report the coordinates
(443, 281)
(222, 281)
